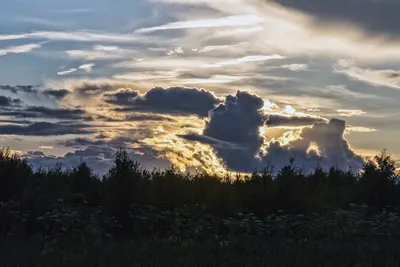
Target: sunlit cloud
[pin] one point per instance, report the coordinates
(385, 77)
(82, 36)
(355, 129)
(229, 21)
(100, 52)
(87, 67)
(176, 51)
(216, 79)
(350, 112)
(19, 49)
(66, 72)
(295, 67)
(246, 59)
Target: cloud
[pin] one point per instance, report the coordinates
(386, 77)
(87, 67)
(66, 72)
(123, 97)
(365, 14)
(323, 145)
(358, 129)
(19, 88)
(229, 21)
(57, 94)
(285, 30)
(99, 158)
(45, 129)
(237, 121)
(174, 100)
(44, 112)
(101, 52)
(295, 67)
(19, 49)
(279, 120)
(176, 51)
(233, 130)
(87, 89)
(82, 36)
(8, 101)
(255, 58)
(350, 112)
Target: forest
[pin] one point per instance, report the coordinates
(137, 217)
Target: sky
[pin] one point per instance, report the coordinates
(213, 85)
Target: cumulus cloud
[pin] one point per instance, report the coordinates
(331, 149)
(233, 130)
(174, 100)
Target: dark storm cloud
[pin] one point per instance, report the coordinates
(233, 132)
(45, 129)
(124, 97)
(44, 112)
(57, 94)
(118, 142)
(210, 141)
(237, 121)
(15, 121)
(372, 15)
(279, 120)
(174, 100)
(8, 101)
(88, 89)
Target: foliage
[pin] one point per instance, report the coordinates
(74, 218)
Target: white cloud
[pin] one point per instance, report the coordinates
(82, 36)
(66, 72)
(176, 51)
(355, 129)
(87, 67)
(100, 52)
(284, 30)
(295, 67)
(245, 60)
(383, 77)
(216, 79)
(105, 48)
(19, 49)
(46, 147)
(229, 21)
(350, 112)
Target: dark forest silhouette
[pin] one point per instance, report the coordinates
(63, 210)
